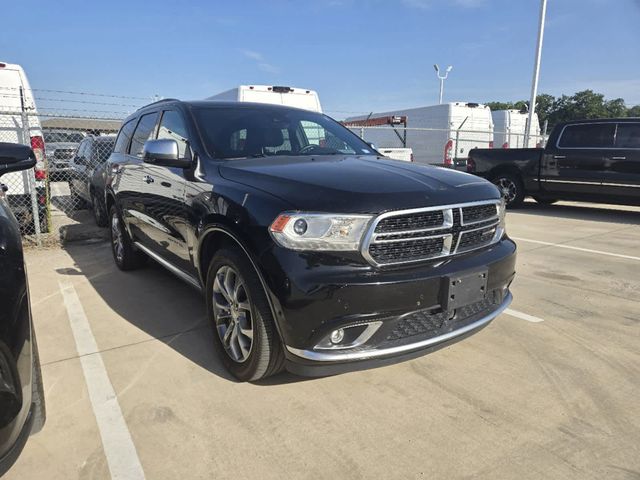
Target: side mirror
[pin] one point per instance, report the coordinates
(164, 152)
(15, 157)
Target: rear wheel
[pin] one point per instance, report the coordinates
(124, 253)
(545, 201)
(98, 212)
(511, 188)
(244, 328)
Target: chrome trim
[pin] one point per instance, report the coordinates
(495, 225)
(604, 184)
(374, 353)
(172, 268)
(447, 210)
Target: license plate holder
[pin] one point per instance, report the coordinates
(464, 289)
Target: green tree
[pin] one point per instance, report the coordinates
(494, 106)
(634, 111)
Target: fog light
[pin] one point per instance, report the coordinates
(337, 336)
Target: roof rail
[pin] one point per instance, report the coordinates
(159, 101)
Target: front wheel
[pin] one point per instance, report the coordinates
(243, 326)
(511, 188)
(99, 214)
(124, 253)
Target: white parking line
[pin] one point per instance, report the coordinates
(118, 446)
(570, 247)
(523, 316)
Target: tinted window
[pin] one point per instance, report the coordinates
(172, 127)
(595, 135)
(254, 132)
(124, 136)
(144, 131)
(628, 135)
(101, 150)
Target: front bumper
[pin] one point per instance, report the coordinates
(317, 296)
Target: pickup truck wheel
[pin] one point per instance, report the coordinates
(511, 188)
(98, 212)
(124, 253)
(545, 201)
(243, 326)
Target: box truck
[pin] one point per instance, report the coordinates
(277, 95)
(509, 127)
(438, 134)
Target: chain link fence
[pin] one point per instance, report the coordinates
(72, 135)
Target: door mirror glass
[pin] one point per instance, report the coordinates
(164, 152)
(15, 157)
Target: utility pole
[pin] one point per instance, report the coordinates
(442, 79)
(536, 72)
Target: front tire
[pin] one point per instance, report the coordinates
(243, 326)
(124, 253)
(99, 214)
(511, 188)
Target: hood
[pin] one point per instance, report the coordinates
(356, 184)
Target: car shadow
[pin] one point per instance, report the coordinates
(158, 303)
(583, 211)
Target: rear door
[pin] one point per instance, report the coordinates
(622, 163)
(80, 169)
(575, 166)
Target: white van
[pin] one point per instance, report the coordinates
(277, 95)
(438, 134)
(509, 127)
(19, 123)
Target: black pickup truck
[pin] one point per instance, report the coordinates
(584, 160)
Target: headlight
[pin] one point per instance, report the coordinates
(319, 231)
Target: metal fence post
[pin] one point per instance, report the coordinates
(31, 179)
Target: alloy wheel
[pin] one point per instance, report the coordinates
(116, 238)
(232, 311)
(508, 189)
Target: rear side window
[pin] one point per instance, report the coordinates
(144, 131)
(124, 136)
(172, 127)
(594, 135)
(628, 135)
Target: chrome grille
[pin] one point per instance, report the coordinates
(417, 235)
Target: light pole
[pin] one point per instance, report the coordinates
(536, 72)
(442, 79)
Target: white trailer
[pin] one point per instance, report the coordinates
(509, 127)
(438, 134)
(277, 95)
(19, 123)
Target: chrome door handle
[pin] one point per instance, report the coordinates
(148, 179)
(559, 157)
(618, 158)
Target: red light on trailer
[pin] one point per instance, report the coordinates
(448, 159)
(2, 65)
(491, 144)
(40, 174)
(505, 145)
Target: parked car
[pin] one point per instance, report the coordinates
(88, 174)
(584, 160)
(272, 94)
(509, 127)
(317, 258)
(60, 145)
(22, 408)
(439, 135)
(19, 123)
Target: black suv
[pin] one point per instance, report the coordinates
(21, 394)
(313, 252)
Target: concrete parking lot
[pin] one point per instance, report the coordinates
(548, 390)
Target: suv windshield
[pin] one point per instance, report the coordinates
(241, 132)
(63, 137)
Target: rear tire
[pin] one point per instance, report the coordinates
(126, 256)
(243, 326)
(99, 213)
(511, 188)
(545, 201)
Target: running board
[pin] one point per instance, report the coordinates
(172, 268)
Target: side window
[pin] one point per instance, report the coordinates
(144, 131)
(628, 135)
(594, 135)
(82, 150)
(124, 136)
(172, 126)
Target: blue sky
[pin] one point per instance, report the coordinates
(360, 55)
